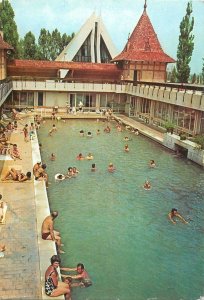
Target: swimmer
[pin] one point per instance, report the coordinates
(81, 133)
(107, 129)
(52, 157)
(89, 134)
(119, 128)
(54, 129)
(59, 177)
(74, 172)
(126, 148)
(136, 132)
(126, 138)
(93, 167)
(89, 156)
(80, 157)
(147, 185)
(69, 173)
(127, 127)
(111, 168)
(98, 132)
(173, 214)
(152, 164)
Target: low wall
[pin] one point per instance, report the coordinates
(46, 248)
(194, 153)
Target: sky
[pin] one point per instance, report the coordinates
(119, 17)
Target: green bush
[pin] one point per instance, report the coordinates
(199, 139)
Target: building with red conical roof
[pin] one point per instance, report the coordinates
(142, 58)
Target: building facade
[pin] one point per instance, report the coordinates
(134, 83)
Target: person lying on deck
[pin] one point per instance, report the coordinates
(17, 175)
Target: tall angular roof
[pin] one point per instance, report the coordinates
(143, 44)
(94, 28)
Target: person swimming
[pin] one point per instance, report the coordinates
(59, 177)
(81, 133)
(174, 214)
(126, 148)
(147, 185)
(52, 157)
(89, 156)
(152, 164)
(89, 134)
(93, 167)
(111, 168)
(80, 156)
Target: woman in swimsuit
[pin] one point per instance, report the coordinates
(54, 288)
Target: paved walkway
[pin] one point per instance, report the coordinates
(19, 272)
(145, 130)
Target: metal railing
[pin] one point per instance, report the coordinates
(6, 88)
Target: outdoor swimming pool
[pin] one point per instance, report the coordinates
(116, 228)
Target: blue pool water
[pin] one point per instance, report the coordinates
(116, 228)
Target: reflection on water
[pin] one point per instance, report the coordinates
(116, 228)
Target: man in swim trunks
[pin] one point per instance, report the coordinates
(174, 214)
(82, 276)
(48, 232)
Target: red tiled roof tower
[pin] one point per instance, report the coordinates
(143, 44)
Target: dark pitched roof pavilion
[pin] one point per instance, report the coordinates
(143, 44)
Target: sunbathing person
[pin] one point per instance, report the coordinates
(15, 154)
(17, 175)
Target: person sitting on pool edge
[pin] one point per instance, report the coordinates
(82, 276)
(173, 214)
(53, 287)
(48, 232)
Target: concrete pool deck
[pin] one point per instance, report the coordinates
(27, 255)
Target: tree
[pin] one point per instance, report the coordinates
(55, 44)
(21, 49)
(173, 77)
(30, 48)
(9, 25)
(65, 40)
(185, 46)
(194, 78)
(44, 45)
